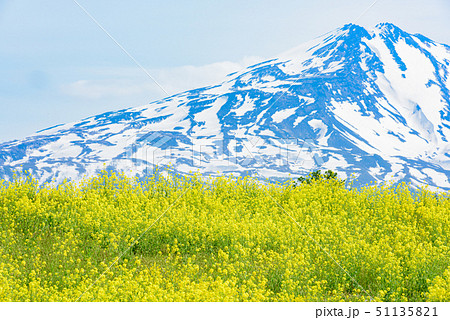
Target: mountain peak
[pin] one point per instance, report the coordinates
(355, 32)
(387, 26)
(390, 30)
(351, 27)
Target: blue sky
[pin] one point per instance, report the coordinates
(58, 66)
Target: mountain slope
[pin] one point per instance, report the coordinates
(375, 103)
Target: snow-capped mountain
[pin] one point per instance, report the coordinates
(374, 103)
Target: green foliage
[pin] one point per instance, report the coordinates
(317, 176)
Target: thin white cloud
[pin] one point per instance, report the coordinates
(131, 82)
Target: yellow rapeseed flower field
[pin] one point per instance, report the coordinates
(221, 239)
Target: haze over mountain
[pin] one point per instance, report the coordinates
(374, 103)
